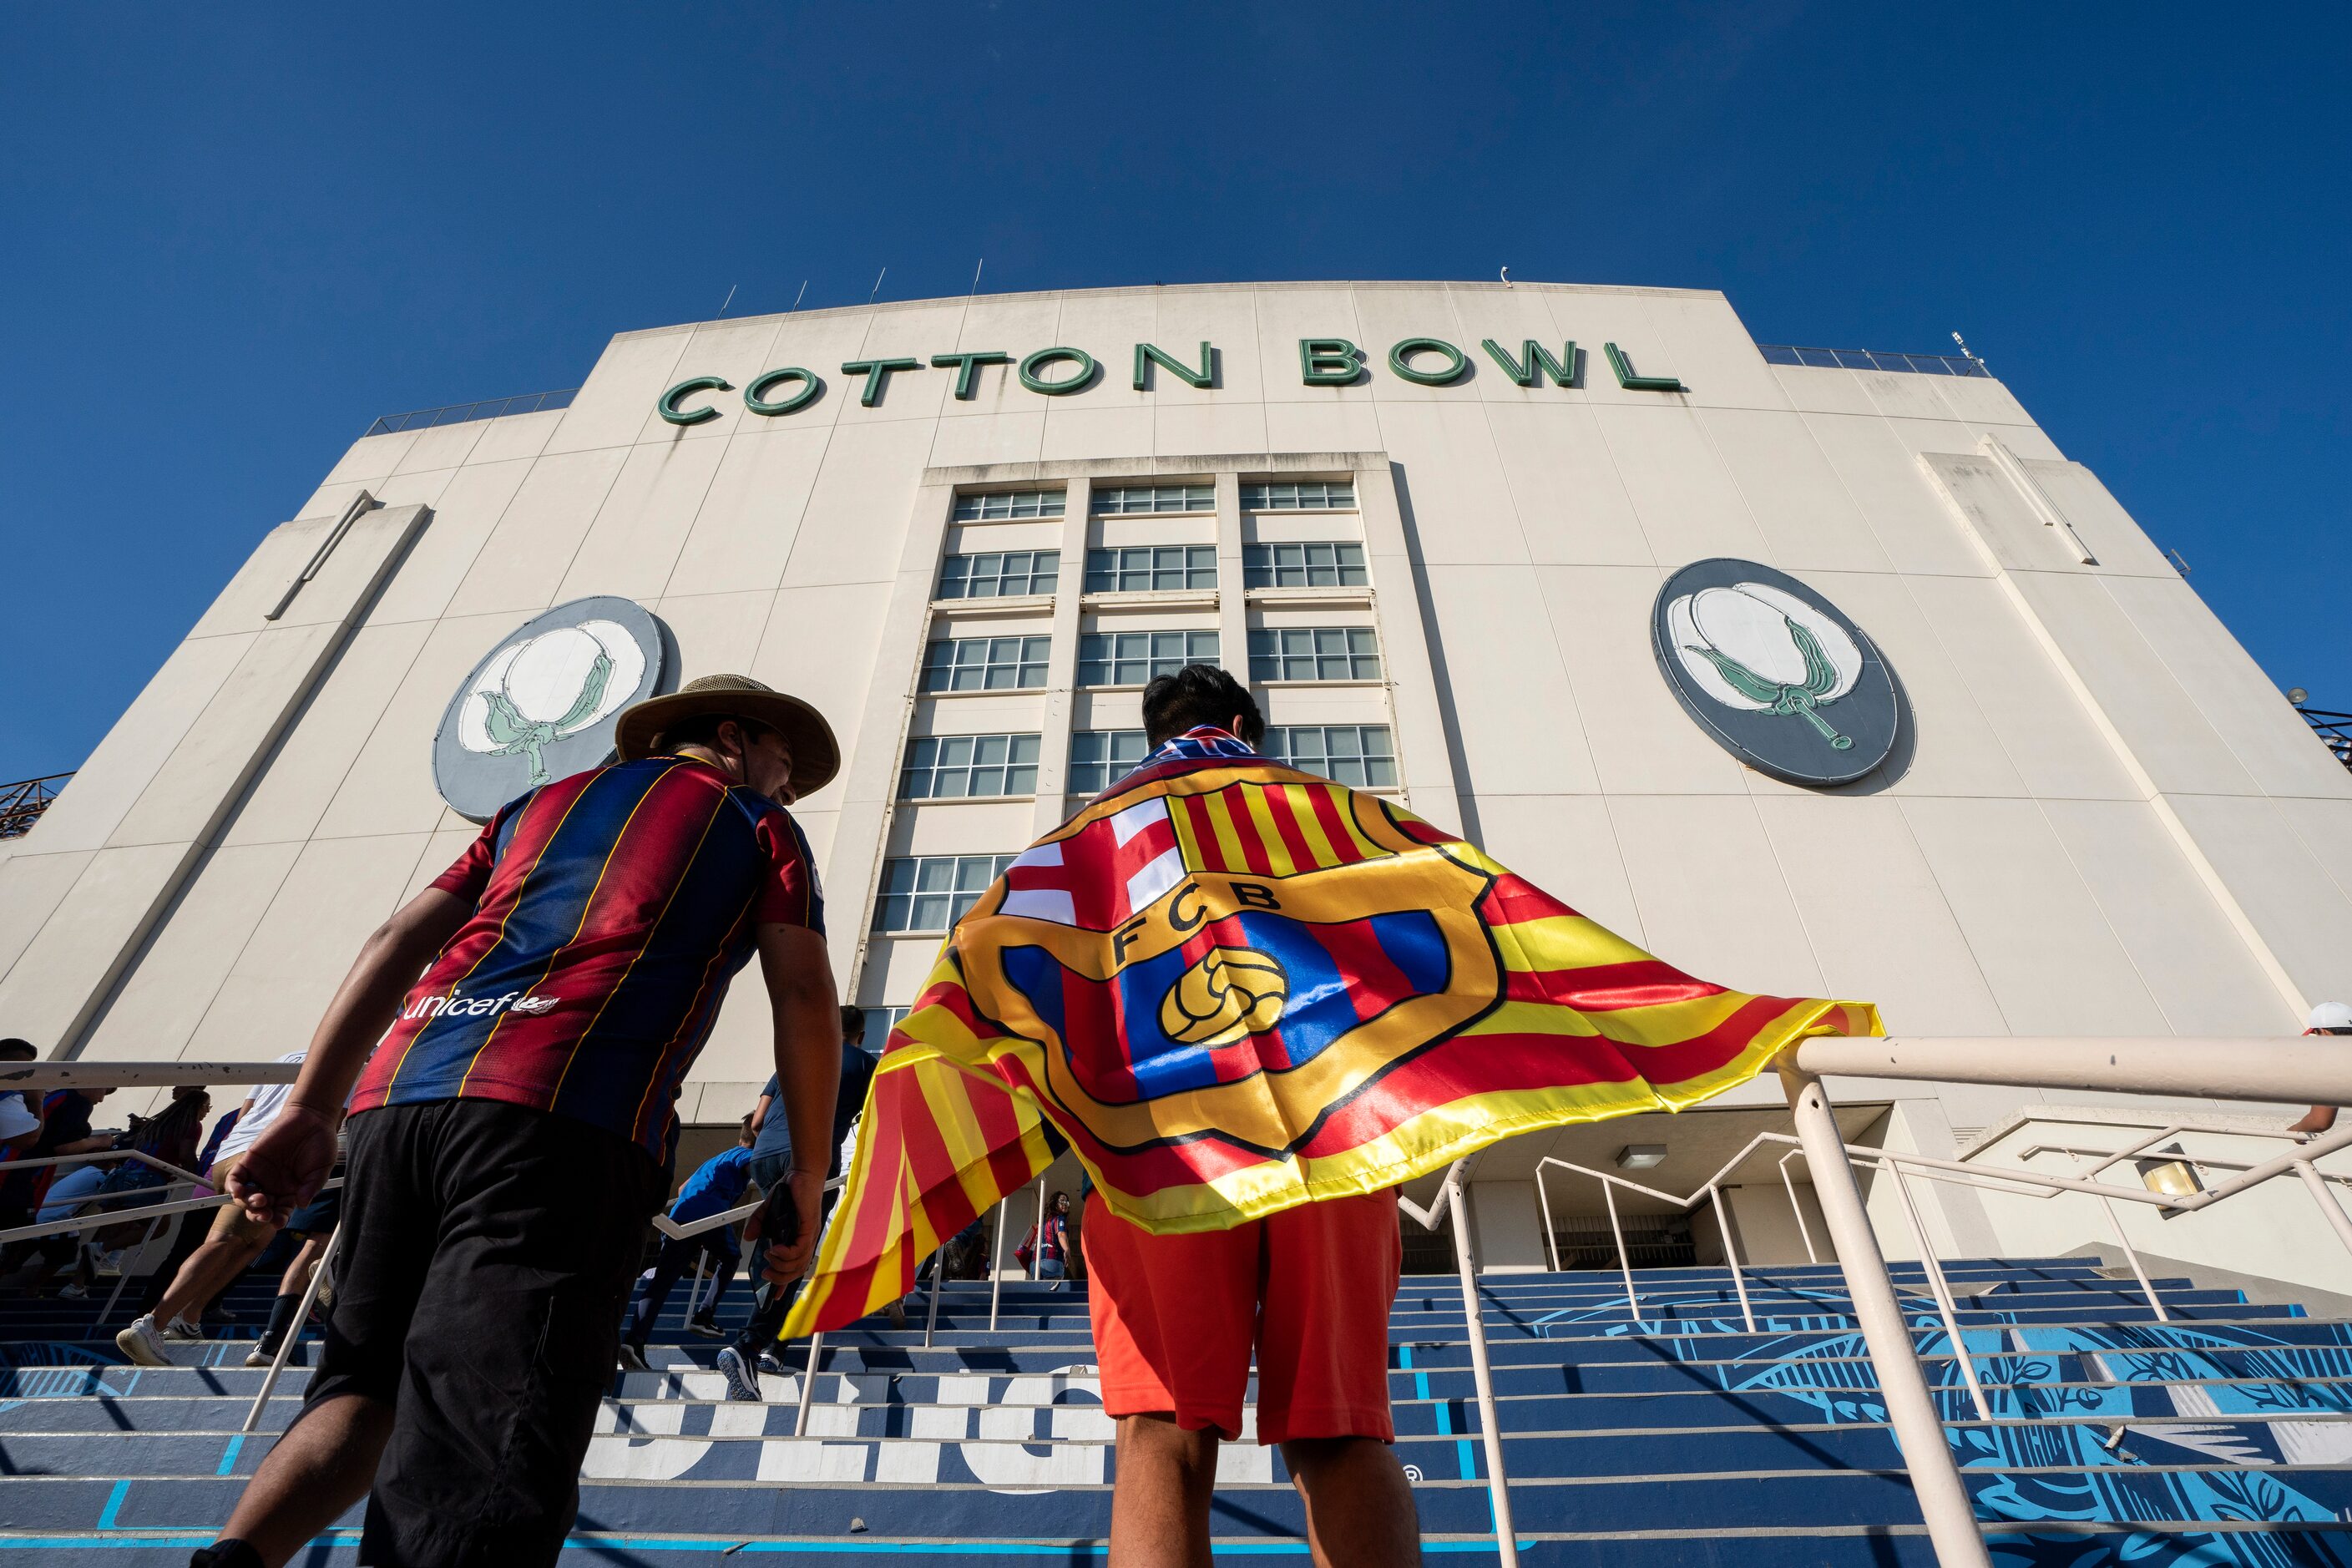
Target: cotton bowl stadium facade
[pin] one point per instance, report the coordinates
(1815, 674)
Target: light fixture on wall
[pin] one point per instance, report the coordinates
(2175, 1178)
(1640, 1156)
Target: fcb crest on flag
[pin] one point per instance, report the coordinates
(1233, 987)
(1266, 921)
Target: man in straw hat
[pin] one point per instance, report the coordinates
(513, 1131)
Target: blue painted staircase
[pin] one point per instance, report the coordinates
(2223, 1437)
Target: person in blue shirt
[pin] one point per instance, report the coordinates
(716, 1186)
(771, 1156)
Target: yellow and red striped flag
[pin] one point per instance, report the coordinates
(1235, 987)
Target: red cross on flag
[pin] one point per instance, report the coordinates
(1103, 874)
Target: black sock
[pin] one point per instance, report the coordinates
(226, 1554)
(281, 1318)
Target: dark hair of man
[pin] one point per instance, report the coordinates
(15, 1050)
(743, 1134)
(852, 1023)
(702, 729)
(1195, 695)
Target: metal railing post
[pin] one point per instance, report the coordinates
(1797, 1209)
(2146, 1286)
(1947, 1307)
(939, 1277)
(808, 1382)
(2326, 1201)
(1910, 1409)
(1490, 1429)
(293, 1331)
(1551, 1237)
(121, 1278)
(1038, 1244)
(1625, 1264)
(996, 1268)
(1731, 1256)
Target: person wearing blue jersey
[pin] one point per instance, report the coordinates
(510, 1046)
(716, 1186)
(773, 1150)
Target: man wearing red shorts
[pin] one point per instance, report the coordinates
(1175, 1318)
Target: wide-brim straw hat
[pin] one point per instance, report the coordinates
(816, 755)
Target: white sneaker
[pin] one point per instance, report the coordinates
(141, 1343)
(181, 1330)
(257, 1356)
(71, 1290)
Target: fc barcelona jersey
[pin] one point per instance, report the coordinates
(610, 910)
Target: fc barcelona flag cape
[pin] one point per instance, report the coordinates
(1233, 987)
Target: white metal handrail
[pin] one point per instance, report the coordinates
(1490, 1427)
(14, 1076)
(2013, 1183)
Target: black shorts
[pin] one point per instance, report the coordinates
(321, 1215)
(487, 1252)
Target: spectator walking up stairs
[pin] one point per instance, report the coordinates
(2223, 1436)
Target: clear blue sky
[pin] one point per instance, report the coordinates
(231, 237)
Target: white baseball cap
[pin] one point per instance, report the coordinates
(2329, 1016)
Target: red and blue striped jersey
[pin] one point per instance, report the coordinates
(610, 910)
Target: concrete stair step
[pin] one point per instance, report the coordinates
(1077, 1508)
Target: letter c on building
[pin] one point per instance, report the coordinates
(668, 407)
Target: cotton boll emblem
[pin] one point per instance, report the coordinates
(1752, 646)
(539, 689)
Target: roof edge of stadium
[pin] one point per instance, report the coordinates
(1134, 289)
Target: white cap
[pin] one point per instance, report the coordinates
(2329, 1016)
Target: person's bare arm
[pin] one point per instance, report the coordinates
(760, 1113)
(808, 1070)
(2318, 1119)
(284, 1167)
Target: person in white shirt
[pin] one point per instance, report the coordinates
(2327, 1018)
(235, 1241)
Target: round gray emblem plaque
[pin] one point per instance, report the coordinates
(1775, 672)
(541, 704)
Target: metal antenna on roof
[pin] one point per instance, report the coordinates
(797, 297)
(975, 273)
(1506, 276)
(877, 284)
(728, 301)
(1965, 349)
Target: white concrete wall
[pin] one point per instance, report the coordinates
(2106, 821)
